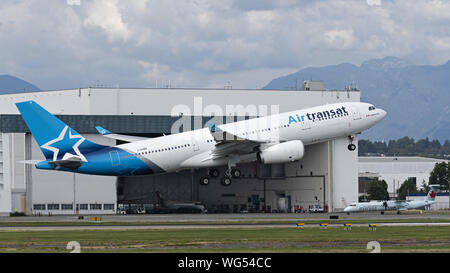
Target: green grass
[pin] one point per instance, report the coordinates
(332, 239)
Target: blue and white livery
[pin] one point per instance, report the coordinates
(272, 139)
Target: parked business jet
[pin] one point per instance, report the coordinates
(277, 138)
(397, 205)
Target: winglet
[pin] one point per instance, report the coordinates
(213, 128)
(102, 130)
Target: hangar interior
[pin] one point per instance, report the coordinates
(326, 176)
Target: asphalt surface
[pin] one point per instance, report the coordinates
(198, 226)
(231, 217)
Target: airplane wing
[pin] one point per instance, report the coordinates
(231, 144)
(102, 131)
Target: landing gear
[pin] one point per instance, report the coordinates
(226, 178)
(225, 181)
(214, 173)
(351, 146)
(204, 181)
(235, 173)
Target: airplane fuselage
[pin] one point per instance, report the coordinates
(193, 149)
(387, 205)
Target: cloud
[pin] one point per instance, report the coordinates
(203, 43)
(373, 2)
(106, 15)
(340, 38)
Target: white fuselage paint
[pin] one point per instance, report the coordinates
(388, 205)
(193, 149)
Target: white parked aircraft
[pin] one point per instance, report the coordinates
(277, 138)
(397, 205)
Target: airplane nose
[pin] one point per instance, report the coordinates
(383, 113)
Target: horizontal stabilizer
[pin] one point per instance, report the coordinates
(29, 162)
(70, 163)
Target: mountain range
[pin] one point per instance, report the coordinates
(11, 84)
(416, 97)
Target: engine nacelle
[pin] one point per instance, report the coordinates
(282, 153)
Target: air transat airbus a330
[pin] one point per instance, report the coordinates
(277, 138)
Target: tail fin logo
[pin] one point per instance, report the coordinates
(65, 143)
(432, 194)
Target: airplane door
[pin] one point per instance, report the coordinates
(306, 125)
(194, 143)
(356, 114)
(115, 159)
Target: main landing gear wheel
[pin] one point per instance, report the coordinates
(214, 173)
(235, 173)
(351, 147)
(204, 181)
(225, 181)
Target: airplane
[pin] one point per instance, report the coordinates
(278, 138)
(397, 205)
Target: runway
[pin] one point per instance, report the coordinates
(196, 226)
(224, 221)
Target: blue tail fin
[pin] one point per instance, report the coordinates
(55, 138)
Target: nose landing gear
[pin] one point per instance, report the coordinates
(351, 146)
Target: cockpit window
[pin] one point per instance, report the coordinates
(371, 108)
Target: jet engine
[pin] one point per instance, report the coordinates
(282, 153)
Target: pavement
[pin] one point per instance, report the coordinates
(241, 220)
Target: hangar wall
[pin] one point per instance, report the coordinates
(5, 179)
(327, 172)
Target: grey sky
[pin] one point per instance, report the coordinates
(200, 43)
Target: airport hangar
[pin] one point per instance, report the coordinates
(326, 176)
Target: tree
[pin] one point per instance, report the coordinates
(440, 175)
(446, 148)
(405, 147)
(425, 187)
(377, 190)
(408, 186)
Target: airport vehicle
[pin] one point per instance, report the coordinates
(276, 138)
(316, 209)
(397, 205)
